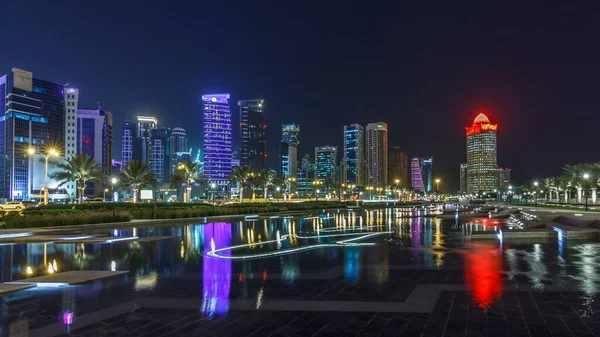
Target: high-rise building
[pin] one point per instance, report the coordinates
(482, 164)
(94, 138)
(284, 159)
(128, 143)
(145, 125)
(463, 178)
(376, 135)
(33, 114)
(160, 154)
(306, 176)
(253, 135)
(504, 177)
(217, 143)
(71, 96)
(178, 144)
(398, 167)
(354, 156)
(289, 136)
(325, 163)
(421, 174)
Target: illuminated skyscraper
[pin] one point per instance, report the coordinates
(128, 142)
(463, 178)
(377, 154)
(398, 167)
(217, 144)
(253, 135)
(160, 154)
(325, 159)
(178, 147)
(145, 125)
(94, 138)
(289, 141)
(482, 164)
(421, 174)
(354, 155)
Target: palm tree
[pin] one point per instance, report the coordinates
(186, 174)
(80, 168)
(551, 184)
(266, 179)
(137, 175)
(240, 175)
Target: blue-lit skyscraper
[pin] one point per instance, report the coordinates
(354, 155)
(325, 160)
(32, 114)
(217, 144)
(289, 150)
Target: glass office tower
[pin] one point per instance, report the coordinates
(253, 135)
(354, 155)
(217, 143)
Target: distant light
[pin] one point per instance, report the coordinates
(68, 317)
(28, 270)
(213, 99)
(113, 266)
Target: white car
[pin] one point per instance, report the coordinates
(17, 205)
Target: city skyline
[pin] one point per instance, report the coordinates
(356, 75)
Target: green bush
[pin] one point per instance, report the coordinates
(62, 218)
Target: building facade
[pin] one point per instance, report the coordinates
(253, 134)
(289, 136)
(145, 125)
(128, 142)
(94, 138)
(354, 155)
(325, 163)
(71, 106)
(398, 167)
(376, 135)
(178, 144)
(421, 174)
(463, 178)
(504, 177)
(284, 159)
(160, 154)
(217, 142)
(32, 114)
(482, 163)
(306, 176)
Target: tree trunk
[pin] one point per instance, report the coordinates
(135, 195)
(81, 191)
(266, 190)
(188, 193)
(241, 194)
(566, 197)
(594, 195)
(579, 189)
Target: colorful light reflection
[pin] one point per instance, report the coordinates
(216, 273)
(483, 274)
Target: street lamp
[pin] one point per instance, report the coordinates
(104, 197)
(586, 177)
(213, 186)
(278, 189)
(50, 152)
(437, 184)
(113, 183)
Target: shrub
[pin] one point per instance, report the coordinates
(52, 218)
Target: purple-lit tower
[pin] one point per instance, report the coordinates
(217, 142)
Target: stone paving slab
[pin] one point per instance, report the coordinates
(70, 277)
(9, 288)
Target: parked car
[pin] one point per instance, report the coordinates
(17, 205)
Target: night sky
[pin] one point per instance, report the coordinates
(426, 71)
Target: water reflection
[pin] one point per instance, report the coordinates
(483, 273)
(216, 273)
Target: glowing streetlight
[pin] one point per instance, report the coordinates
(50, 152)
(437, 184)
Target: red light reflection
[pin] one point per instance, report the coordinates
(483, 274)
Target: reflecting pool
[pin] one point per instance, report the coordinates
(394, 261)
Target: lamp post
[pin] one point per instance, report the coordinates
(317, 183)
(213, 186)
(278, 195)
(51, 152)
(586, 177)
(510, 194)
(437, 185)
(104, 195)
(113, 183)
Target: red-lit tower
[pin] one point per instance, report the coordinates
(482, 159)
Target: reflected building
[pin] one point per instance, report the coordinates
(482, 162)
(217, 140)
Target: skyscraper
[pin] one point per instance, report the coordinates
(284, 159)
(145, 125)
(217, 143)
(325, 162)
(253, 136)
(421, 171)
(377, 154)
(71, 96)
(354, 155)
(160, 154)
(32, 114)
(463, 178)
(128, 143)
(504, 177)
(289, 136)
(306, 176)
(482, 164)
(178, 147)
(94, 138)
(398, 168)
